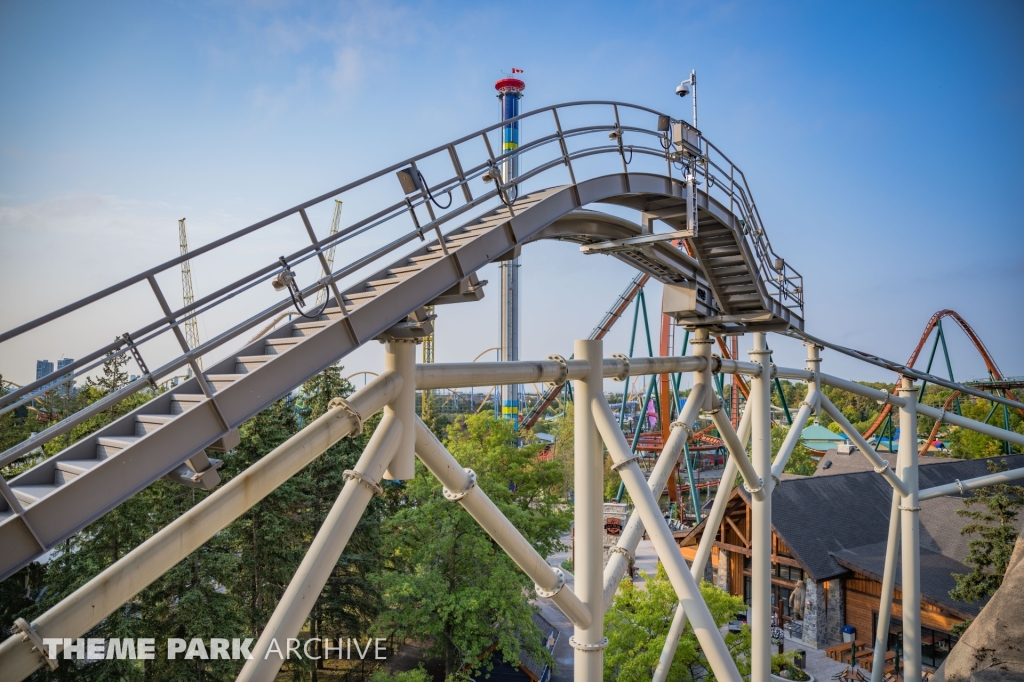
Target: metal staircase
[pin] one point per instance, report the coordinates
(168, 436)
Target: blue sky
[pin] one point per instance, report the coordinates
(882, 142)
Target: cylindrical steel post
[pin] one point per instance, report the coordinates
(911, 533)
(316, 567)
(888, 585)
(460, 485)
(704, 626)
(663, 468)
(589, 643)
(714, 520)
(761, 515)
(400, 357)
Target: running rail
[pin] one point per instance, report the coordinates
(903, 369)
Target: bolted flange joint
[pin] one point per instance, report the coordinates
(563, 371)
(625, 462)
(344, 406)
(618, 549)
(455, 497)
(625, 367)
(351, 474)
(913, 509)
(588, 647)
(882, 469)
(680, 425)
(29, 634)
(716, 364)
(759, 488)
(548, 594)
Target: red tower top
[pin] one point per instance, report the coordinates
(510, 85)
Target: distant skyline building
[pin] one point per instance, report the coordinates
(43, 368)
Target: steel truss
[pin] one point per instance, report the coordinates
(401, 435)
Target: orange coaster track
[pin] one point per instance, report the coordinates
(978, 344)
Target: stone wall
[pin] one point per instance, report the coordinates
(722, 577)
(836, 617)
(815, 627)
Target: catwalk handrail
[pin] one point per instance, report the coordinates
(738, 195)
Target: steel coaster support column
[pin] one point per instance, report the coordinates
(657, 528)
(911, 534)
(589, 643)
(761, 514)
(892, 547)
(400, 358)
(460, 485)
(881, 466)
(120, 582)
(810, 405)
(312, 574)
(663, 468)
(700, 560)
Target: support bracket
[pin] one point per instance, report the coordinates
(625, 371)
(29, 634)
(588, 647)
(345, 407)
(455, 497)
(563, 371)
(351, 474)
(548, 594)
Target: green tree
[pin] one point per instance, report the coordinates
(800, 461)
(993, 513)
(446, 581)
(350, 601)
(638, 623)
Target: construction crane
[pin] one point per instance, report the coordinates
(192, 324)
(321, 296)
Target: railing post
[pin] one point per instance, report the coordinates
(588, 539)
(911, 532)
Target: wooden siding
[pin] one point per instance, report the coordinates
(863, 597)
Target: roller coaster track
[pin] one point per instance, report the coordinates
(417, 252)
(990, 364)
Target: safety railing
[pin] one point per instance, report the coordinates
(480, 185)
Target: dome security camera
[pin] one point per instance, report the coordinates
(683, 89)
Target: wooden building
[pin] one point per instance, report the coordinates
(829, 534)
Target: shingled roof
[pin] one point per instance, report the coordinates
(846, 515)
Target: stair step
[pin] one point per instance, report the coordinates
(405, 269)
(278, 346)
(182, 402)
(718, 251)
(247, 363)
(222, 381)
(108, 446)
(391, 280)
(732, 289)
(332, 313)
(308, 328)
(715, 239)
(719, 261)
(70, 469)
(730, 270)
(461, 237)
(361, 296)
(30, 494)
(148, 423)
(425, 258)
(742, 298)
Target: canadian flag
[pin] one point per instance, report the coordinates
(514, 70)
